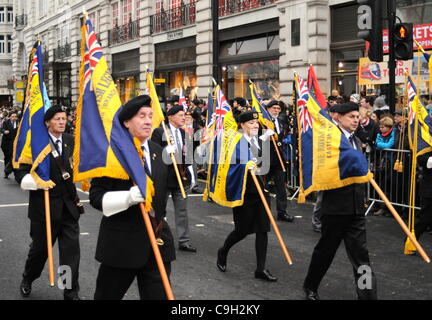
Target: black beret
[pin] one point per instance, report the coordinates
(173, 99)
(247, 116)
(272, 103)
(131, 107)
(346, 107)
(174, 110)
(332, 108)
(50, 113)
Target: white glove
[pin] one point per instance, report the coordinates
(429, 163)
(117, 201)
(267, 134)
(28, 183)
(171, 149)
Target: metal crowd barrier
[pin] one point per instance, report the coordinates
(394, 184)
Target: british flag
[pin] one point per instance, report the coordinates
(302, 99)
(182, 100)
(412, 92)
(222, 107)
(92, 52)
(35, 67)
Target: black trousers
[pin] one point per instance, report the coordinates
(112, 283)
(261, 241)
(425, 217)
(352, 230)
(8, 153)
(281, 194)
(67, 233)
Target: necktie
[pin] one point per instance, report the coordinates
(276, 125)
(254, 148)
(146, 168)
(179, 147)
(58, 144)
(351, 139)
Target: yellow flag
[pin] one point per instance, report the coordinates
(158, 115)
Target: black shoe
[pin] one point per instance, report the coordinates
(25, 288)
(285, 217)
(265, 275)
(187, 247)
(221, 260)
(311, 295)
(6, 176)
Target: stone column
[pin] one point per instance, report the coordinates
(147, 59)
(314, 45)
(204, 47)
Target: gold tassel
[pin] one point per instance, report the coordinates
(301, 197)
(409, 246)
(85, 185)
(396, 165)
(149, 194)
(400, 167)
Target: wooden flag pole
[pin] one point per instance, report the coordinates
(399, 220)
(278, 153)
(49, 238)
(275, 227)
(174, 162)
(157, 253)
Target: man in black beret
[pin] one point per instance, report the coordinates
(123, 246)
(63, 208)
(276, 172)
(342, 218)
(182, 152)
(251, 216)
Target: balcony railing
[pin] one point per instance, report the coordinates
(20, 21)
(173, 19)
(124, 33)
(62, 52)
(227, 7)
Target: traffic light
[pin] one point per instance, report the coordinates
(370, 27)
(403, 41)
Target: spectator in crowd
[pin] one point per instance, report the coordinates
(385, 140)
(368, 130)
(355, 98)
(331, 101)
(367, 102)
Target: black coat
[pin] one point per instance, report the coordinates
(368, 134)
(425, 189)
(405, 143)
(158, 137)
(123, 240)
(251, 217)
(8, 138)
(63, 194)
(347, 200)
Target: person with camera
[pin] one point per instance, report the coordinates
(65, 208)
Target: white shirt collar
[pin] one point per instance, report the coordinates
(54, 139)
(249, 139)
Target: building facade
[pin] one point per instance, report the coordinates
(6, 42)
(262, 40)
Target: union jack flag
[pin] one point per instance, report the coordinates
(92, 52)
(35, 68)
(222, 107)
(412, 92)
(182, 100)
(302, 98)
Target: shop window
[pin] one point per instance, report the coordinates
(173, 79)
(295, 32)
(265, 74)
(127, 87)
